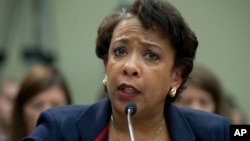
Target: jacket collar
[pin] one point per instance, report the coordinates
(89, 123)
(178, 126)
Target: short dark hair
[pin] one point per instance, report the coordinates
(167, 19)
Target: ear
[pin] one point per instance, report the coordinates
(177, 77)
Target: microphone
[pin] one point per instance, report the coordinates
(132, 107)
(130, 110)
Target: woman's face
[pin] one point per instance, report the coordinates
(52, 97)
(7, 98)
(196, 98)
(139, 68)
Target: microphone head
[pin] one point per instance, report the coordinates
(132, 107)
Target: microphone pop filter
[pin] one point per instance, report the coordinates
(132, 107)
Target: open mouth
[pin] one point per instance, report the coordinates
(129, 90)
(126, 89)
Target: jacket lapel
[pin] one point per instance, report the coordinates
(89, 123)
(179, 128)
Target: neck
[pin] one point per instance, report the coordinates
(147, 129)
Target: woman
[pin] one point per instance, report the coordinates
(203, 92)
(147, 52)
(236, 114)
(43, 87)
(8, 92)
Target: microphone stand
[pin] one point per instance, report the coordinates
(131, 132)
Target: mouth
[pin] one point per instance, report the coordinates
(126, 91)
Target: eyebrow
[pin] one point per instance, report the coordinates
(146, 44)
(123, 40)
(151, 45)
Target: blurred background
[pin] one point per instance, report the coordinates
(63, 33)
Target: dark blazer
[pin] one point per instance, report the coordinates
(89, 122)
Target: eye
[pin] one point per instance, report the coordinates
(56, 103)
(204, 103)
(37, 105)
(152, 56)
(119, 51)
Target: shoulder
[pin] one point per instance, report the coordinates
(67, 112)
(204, 123)
(207, 119)
(54, 123)
(72, 112)
(62, 118)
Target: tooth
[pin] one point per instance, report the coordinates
(129, 90)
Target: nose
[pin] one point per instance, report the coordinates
(132, 67)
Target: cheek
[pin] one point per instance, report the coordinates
(212, 107)
(162, 80)
(30, 118)
(113, 72)
(112, 65)
(58, 100)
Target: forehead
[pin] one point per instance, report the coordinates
(133, 24)
(51, 93)
(196, 92)
(131, 29)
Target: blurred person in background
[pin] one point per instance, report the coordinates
(203, 91)
(236, 114)
(42, 88)
(8, 92)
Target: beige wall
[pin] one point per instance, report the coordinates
(222, 28)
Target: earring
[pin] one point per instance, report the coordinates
(172, 92)
(104, 81)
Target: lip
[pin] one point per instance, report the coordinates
(127, 96)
